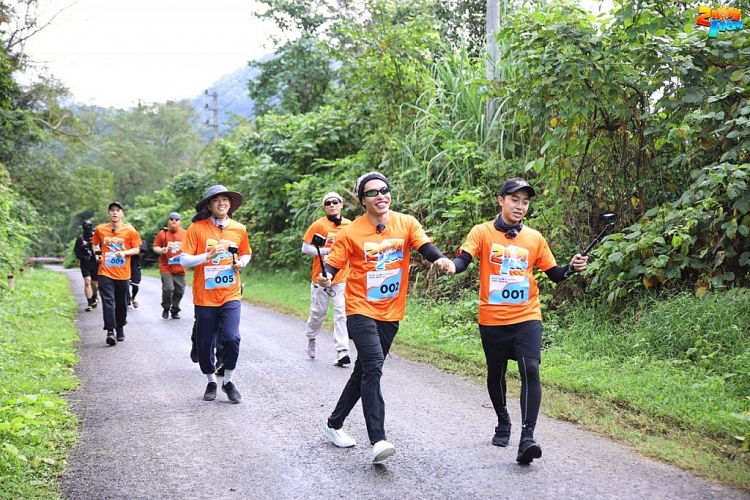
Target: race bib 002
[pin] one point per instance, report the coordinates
(506, 289)
(112, 260)
(382, 285)
(219, 277)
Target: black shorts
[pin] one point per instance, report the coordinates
(522, 340)
(87, 271)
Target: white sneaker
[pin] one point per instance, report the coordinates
(338, 437)
(382, 450)
(312, 348)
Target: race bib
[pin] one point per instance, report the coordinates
(382, 285)
(219, 277)
(173, 260)
(505, 289)
(112, 260)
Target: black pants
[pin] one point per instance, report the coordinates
(373, 340)
(114, 294)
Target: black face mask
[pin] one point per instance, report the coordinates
(88, 231)
(510, 231)
(336, 220)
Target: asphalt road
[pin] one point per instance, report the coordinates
(146, 432)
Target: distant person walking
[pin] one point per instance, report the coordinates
(84, 251)
(327, 227)
(168, 246)
(376, 247)
(218, 248)
(114, 245)
(135, 274)
(510, 314)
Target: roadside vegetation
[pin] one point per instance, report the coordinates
(670, 377)
(38, 352)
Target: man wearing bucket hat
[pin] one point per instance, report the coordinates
(510, 314)
(218, 248)
(376, 248)
(168, 246)
(320, 298)
(114, 244)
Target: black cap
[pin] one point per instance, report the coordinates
(115, 204)
(514, 184)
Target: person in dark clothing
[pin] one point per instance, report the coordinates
(135, 274)
(87, 262)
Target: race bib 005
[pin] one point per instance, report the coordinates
(219, 277)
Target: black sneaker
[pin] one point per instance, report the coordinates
(89, 308)
(120, 335)
(502, 435)
(94, 303)
(111, 338)
(528, 450)
(219, 370)
(165, 314)
(210, 393)
(343, 358)
(232, 393)
(175, 316)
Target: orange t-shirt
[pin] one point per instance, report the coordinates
(215, 282)
(328, 230)
(379, 265)
(507, 289)
(125, 238)
(169, 263)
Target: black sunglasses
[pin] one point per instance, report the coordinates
(372, 193)
(328, 203)
(172, 218)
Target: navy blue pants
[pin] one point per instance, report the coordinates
(373, 340)
(218, 322)
(114, 294)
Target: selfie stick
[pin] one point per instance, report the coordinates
(610, 219)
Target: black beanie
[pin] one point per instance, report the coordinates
(359, 186)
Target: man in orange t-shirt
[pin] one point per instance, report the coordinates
(168, 245)
(218, 248)
(114, 244)
(510, 315)
(327, 227)
(376, 247)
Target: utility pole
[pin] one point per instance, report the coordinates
(492, 25)
(215, 110)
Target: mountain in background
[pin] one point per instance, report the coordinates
(232, 99)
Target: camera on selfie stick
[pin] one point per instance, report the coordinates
(232, 248)
(318, 240)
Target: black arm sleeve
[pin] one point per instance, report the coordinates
(558, 273)
(430, 252)
(330, 270)
(78, 249)
(462, 262)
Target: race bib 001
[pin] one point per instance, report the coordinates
(112, 260)
(219, 277)
(505, 289)
(382, 285)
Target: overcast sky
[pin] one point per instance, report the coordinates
(117, 52)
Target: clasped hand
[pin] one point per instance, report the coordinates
(579, 262)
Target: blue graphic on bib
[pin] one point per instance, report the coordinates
(112, 260)
(173, 260)
(505, 291)
(222, 279)
(383, 285)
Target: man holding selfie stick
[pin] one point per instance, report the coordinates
(318, 241)
(510, 313)
(218, 248)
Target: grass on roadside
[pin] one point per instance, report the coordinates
(37, 355)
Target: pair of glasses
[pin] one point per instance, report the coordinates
(173, 219)
(331, 202)
(372, 193)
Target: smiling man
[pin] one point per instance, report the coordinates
(376, 248)
(218, 248)
(510, 314)
(114, 244)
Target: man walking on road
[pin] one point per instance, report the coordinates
(510, 314)
(167, 245)
(114, 244)
(218, 248)
(376, 247)
(84, 251)
(320, 298)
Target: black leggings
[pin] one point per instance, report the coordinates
(531, 387)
